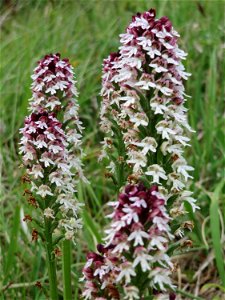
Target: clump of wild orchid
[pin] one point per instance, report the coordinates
(133, 261)
(51, 149)
(145, 122)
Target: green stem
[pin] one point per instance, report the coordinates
(50, 261)
(190, 296)
(67, 290)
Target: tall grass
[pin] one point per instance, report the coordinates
(86, 31)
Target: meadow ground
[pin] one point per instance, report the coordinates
(86, 32)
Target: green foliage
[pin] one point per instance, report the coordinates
(9, 258)
(86, 32)
(216, 232)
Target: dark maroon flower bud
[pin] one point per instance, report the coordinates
(123, 198)
(88, 273)
(163, 20)
(131, 190)
(154, 188)
(101, 249)
(177, 100)
(172, 296)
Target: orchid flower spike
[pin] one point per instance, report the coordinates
(142, 112)
(133, 260)
(144, 118)
(51, 145)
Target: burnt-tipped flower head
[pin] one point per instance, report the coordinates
(51, 145)
(53, 83)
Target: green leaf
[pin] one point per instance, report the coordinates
(13, 242)
(212, 285)
(188, 295)
(91, 226)
(215, 231)
(92, 195)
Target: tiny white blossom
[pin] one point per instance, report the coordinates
(156, 172)
(69, 235)
(49, 78)
(186, 196)
(55, 148)
(49, 213)
(50, 135)
(175, 179)
(143, 259)
(161, 223)
(130, 215)
(163, 128)
(158, 241)
(138, 202)
(157, 107)
(101, 271)
(44, 190)
(139, 119)
(157, 68)
(37, 171)
(171, 148)
(46, 160)
(55, 177)
(61, 85)
(41, 124)
(138, 236)
(51, 90)
(163, 89)
(181, 167)
(121, 246)
(53, 103)
(145, 84)
(161, 278)
(138, 160)
(131, 293)
(40, 144)
(148, 144)
(126, 272)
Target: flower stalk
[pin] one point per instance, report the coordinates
(51, 261)
(67, 289)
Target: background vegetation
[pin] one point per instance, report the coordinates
(86, 32)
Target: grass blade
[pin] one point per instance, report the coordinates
(215, 231)
(13, 242)
(92, 227)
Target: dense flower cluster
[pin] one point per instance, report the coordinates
(54, 91)
(51, 144)
(143, 99)
(53, 84)
(134, 256)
